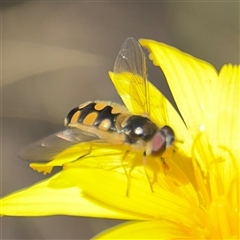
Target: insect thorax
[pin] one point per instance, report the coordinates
(137, 127)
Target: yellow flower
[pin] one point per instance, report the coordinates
(196, 198)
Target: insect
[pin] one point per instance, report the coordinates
(114, 123)
(109, 121)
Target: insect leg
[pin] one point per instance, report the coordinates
(164, 164)
(87, 153)
(145, 170)
(165, 167)
(126, 173)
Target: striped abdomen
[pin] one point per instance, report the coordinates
(101, 115)
(117, 123)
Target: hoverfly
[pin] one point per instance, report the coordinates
(109, 121)
(114, 123)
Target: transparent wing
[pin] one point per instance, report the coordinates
(130, 77)
(46, 149)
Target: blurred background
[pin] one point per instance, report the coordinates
(56, 55)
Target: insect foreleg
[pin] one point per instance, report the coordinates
(145, 170)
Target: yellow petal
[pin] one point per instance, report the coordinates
(225, 124)
(146, 230)
(70, 154)
(190, 80)
(132, 195)
(224, 132)
(42, 199)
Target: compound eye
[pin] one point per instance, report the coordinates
(158, 142)
(168, 133)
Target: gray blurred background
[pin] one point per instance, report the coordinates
(56, 55)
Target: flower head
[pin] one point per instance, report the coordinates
(197, 197)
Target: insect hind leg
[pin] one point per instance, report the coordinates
(128, 168)
(85, 154)
(128, 172)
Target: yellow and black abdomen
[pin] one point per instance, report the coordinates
(111, 122)
(101, 115)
